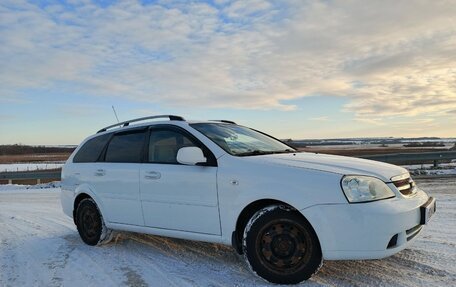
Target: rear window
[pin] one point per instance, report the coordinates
(125, 147)
(91, 150)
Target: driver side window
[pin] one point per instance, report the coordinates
(164, 145)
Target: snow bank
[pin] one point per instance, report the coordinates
(29, 166)
(52, 186)
(429, 169)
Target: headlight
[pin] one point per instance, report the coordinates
(358, 188)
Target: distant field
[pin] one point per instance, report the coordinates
(34, 158)
(34, 154)
(19, 149)
(354, 150)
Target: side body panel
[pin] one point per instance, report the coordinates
(180, 197)
(114, 187)
(242, 181)
(117, 186)
(72, 186)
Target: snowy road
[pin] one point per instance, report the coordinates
(39, 246)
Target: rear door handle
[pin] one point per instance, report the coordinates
(100, 172)
(152, 175)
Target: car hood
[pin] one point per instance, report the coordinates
(336, 164)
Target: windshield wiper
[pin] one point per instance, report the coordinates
(262, 152)
(285, 151)
(254, 152)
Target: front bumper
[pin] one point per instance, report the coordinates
(366, 230)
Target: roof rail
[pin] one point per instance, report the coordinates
(127, 123)
(225, 121)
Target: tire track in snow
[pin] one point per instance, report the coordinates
(216, 258)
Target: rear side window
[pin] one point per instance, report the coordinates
(164, 144)
(91, 150)
(125, 147)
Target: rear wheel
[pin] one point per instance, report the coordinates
(90, 224)
(281, 246)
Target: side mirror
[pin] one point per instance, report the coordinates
(190, 155)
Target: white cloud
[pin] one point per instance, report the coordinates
(242, 8)
(391, 59)
(320, 119)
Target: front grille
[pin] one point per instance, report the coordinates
(406, 186)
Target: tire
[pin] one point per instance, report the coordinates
(281, 246)
(90, 223)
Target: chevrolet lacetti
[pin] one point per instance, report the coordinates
(216, 181)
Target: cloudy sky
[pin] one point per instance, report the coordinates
(295, 69)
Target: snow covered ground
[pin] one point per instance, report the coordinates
(10, 167)
(39, 246)
(429, 169)
(21, 188)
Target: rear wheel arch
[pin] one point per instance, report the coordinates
(78, 200)
(247, 213)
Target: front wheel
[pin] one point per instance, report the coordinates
(281, 246)
(90, 224)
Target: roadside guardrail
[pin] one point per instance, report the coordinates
(414, 158)
(37, 175)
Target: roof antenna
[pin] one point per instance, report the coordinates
(114, 110)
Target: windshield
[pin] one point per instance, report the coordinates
(241, 141)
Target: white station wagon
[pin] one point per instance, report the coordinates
(219, 182)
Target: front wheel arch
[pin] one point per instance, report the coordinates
(247, 213)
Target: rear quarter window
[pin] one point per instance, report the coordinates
(91, 150)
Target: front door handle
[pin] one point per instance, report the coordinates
(100, 172)
(152, 175)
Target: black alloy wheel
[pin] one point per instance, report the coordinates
(89, 222)
(281, 246)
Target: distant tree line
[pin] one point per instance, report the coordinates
(18, 149)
